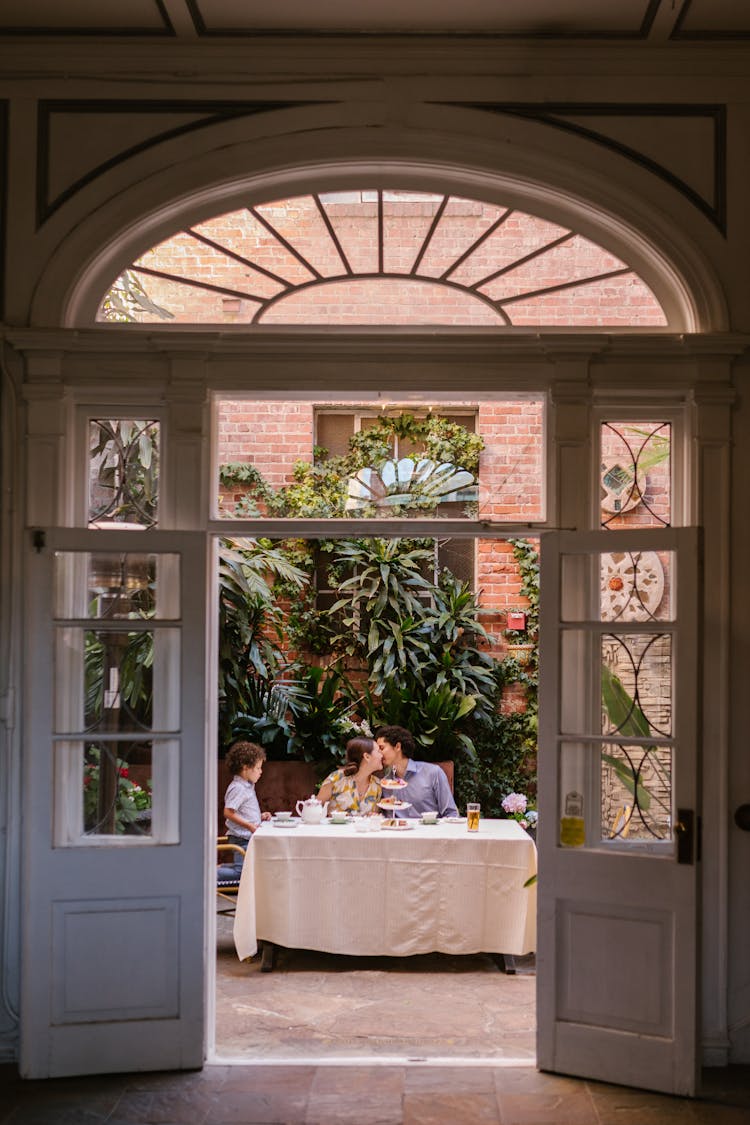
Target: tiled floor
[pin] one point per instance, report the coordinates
(360, 1095)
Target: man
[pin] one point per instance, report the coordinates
(427, 787)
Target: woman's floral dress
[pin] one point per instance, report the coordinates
(344, 795)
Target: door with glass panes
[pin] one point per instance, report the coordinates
(619, 837)
(114, 803)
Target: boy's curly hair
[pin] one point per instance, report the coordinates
(244, 754)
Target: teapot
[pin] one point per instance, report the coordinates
(311, 810)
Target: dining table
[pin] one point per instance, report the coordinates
(424, 888)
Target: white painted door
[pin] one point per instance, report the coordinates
(618, 832)
(114, 816)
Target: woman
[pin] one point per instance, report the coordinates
(353, 788)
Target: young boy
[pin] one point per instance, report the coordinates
(241, 809)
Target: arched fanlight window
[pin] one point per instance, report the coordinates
(382, 257)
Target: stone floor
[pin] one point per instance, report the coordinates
(324, 1007)
(436, 1010)
(419, 1094)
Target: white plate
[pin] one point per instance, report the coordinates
(393, 783)
(284, 823)
(396, 807)
(454, 820)
(330, 820)
(397, 825)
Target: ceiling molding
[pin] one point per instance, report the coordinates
(216, 112)
(554, 115)
(680, 33)
(37, 30)
(203, 29)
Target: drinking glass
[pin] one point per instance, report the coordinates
(472, 817)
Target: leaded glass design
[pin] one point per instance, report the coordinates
(123, 472)
(636, 792)
(637, 702)
(635, 474)
(636, 586)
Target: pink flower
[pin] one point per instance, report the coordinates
(515, 803)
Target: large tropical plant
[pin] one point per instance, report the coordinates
(252, 660)
(380, 616)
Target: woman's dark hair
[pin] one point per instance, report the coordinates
(397, 734)
(244, 754)
(356, 748)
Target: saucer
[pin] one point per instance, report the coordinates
(290, 823)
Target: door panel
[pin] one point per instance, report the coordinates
(618, 770)
(114, 804)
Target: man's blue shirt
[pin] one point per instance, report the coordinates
(427, 790)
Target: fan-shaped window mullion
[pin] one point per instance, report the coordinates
(320, 239)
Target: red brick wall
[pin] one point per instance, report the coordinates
(259, 267)
(274, 436)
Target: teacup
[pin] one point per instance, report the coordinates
(283, 815)
(429, 817)
(338, 817)
(362, 824)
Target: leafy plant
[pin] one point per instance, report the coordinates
(124, 456)
(251, 627)
(322, 716)
(128, 801)
(126, 298)
(629, 721)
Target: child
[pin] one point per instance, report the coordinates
(241, 809)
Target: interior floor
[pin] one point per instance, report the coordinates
(324, 1006)
(326, 1095)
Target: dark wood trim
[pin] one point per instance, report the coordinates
(205, 32)
(3, 203)
(707, 35)
(216, 112)
(553, 114)
(36, 31)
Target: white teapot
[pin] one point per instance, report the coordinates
(311, 810)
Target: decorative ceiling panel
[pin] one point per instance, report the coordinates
(84, 17)
(514, 18)
(80, 140)
(683, 145)
(713, 19)
(627, 130)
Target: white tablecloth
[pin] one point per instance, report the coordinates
(434, 888)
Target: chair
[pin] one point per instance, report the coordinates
(226, 889)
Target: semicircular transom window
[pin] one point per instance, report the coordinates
(381, 257)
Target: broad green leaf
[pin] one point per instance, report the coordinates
(625, 775)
